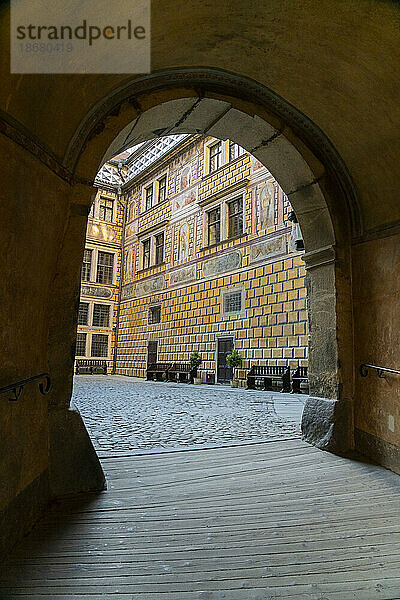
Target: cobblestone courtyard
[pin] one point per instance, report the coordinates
(127, 414)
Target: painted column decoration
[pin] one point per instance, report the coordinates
(267, 206)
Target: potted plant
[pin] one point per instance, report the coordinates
(234, 360)
(195, 361)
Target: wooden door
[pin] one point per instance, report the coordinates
(152, 352)
(225, 347)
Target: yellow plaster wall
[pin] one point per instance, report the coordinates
(273, 327)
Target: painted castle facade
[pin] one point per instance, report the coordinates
(211, 261)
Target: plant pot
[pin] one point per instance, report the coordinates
(198, 380)
(234, 383)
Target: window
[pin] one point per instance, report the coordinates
(105, 267)
(162, 188)
(83, 314)
(235, 217)
(215, 156)
(235, 150)
(154, 314)
(99, 344)
(80, 349)
(87, 265)
(148, 197)
(223, 220)
(153, 251)
(101, 315)
(159, 250)
(106, 209)
(214, 226)
(232, 302)
(146, 254)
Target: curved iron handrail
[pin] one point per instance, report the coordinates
(381, 370)
(17, 388)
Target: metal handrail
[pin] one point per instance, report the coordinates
(44, 387)
(381, 370)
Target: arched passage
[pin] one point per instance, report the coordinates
(306, 166)
(341, 75)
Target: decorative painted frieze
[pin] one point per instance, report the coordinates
(131, 229)
(101, 232)
(268, 249)
(184, 199)
(96, 292)
(149, 286)
(222, 264)
(183, 275)
(128, 292)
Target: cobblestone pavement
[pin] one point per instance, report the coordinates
(128, 414)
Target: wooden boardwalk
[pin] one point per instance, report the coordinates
(256, 522)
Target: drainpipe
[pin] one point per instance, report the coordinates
(122, 201)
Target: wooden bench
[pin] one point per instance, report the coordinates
(267, 374)
(90, 367)
(182, 372)
(157, 372)
(299, 375)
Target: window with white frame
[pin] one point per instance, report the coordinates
(235, 151)
(148, 196)
(83, 314)
(99, 347)
(159, 248)
(87, 264)
(105, 267)
(235, 217)
(224, 220)
(80, 349)
(232, 301)
(155, 192)
(98, 266)
(214, 226)
(162, 189)
(220, 152)
(94, 314)
(146, 253)
(215, 157)
(106, 209)
(101, 315)
(153, 250)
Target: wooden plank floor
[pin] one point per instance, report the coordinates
(256, 522)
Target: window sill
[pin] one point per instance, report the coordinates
(102, 221)
(226, 164)
(220, 244)
(84, 282)
(210, 174)
(147, 210)
(147, 269)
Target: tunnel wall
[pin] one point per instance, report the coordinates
(38, 312)
(376, 268)
(32, 229)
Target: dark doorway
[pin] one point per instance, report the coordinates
(224, 347)
(152, 352)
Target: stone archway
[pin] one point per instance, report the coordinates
(309, 171)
